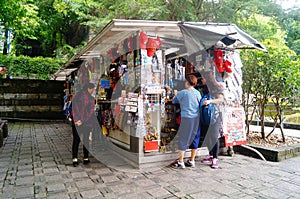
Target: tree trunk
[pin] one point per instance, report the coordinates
(282, 134)
(262, 120)
(5, 47)
(274, 127)
(281, 122)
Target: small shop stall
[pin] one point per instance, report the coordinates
(138, 65)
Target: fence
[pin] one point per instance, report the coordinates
(269, 122)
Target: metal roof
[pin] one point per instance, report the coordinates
(170, 33)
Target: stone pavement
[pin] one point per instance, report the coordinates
(35, 162)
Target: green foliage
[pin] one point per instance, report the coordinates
(271, 77)
(27, 67)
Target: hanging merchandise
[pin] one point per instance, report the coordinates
(158, 42)
(219, 60)
(113, 54)
(227, 65)
(130, 44)
(152, 45)
(121, 49)
(143, 39)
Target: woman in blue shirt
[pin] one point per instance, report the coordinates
(189, 125)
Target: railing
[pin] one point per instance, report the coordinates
(270, 122)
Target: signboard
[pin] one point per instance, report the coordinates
(234, 127)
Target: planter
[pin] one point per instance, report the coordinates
(271, 154)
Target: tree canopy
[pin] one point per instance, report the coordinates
(56, 28)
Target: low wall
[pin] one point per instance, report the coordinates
(271, 124)
(31, 99)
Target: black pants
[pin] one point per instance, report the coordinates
(210, 137)
(215, 150)
(77, 131)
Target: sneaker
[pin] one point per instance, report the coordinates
(190, 163)
(75, 162)
(214, 163)
(208, 159)
(177, 165)
(86, 161)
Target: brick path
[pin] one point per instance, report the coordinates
(35, 162)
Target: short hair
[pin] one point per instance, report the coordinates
(192, 80)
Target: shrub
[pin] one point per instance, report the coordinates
(31, 67)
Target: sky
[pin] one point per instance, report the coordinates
(286, 4)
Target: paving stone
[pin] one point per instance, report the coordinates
(108, 179)
(80, 175)
(24, 192)
(91, 194)
(75, 195)
(51, 171)
(54, 178)
(57, 187)
(24, 173)
(158, 192)
(25, 181)
(60, 195)
(84, 184)
(205, 194)
(8, 191)
(272, 193)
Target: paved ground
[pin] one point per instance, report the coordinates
(35, 162)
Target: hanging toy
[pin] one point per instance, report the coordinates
(227, 65)
(218, 54)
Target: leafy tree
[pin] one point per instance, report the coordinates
(271, 77)
(9, 13)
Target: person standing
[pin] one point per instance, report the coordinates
(211, 130)
(83, 113)
(188, 99)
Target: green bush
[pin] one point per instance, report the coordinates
(31, 67)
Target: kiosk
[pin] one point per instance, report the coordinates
(137, 66)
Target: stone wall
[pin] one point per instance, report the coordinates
(31, 99)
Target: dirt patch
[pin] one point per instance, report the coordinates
(273, 141)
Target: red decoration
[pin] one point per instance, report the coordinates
(143, 39)
(227, 65)
(152, 45)
(219, 60)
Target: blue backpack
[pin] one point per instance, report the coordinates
(207, 113)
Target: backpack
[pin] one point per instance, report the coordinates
(207, 113)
